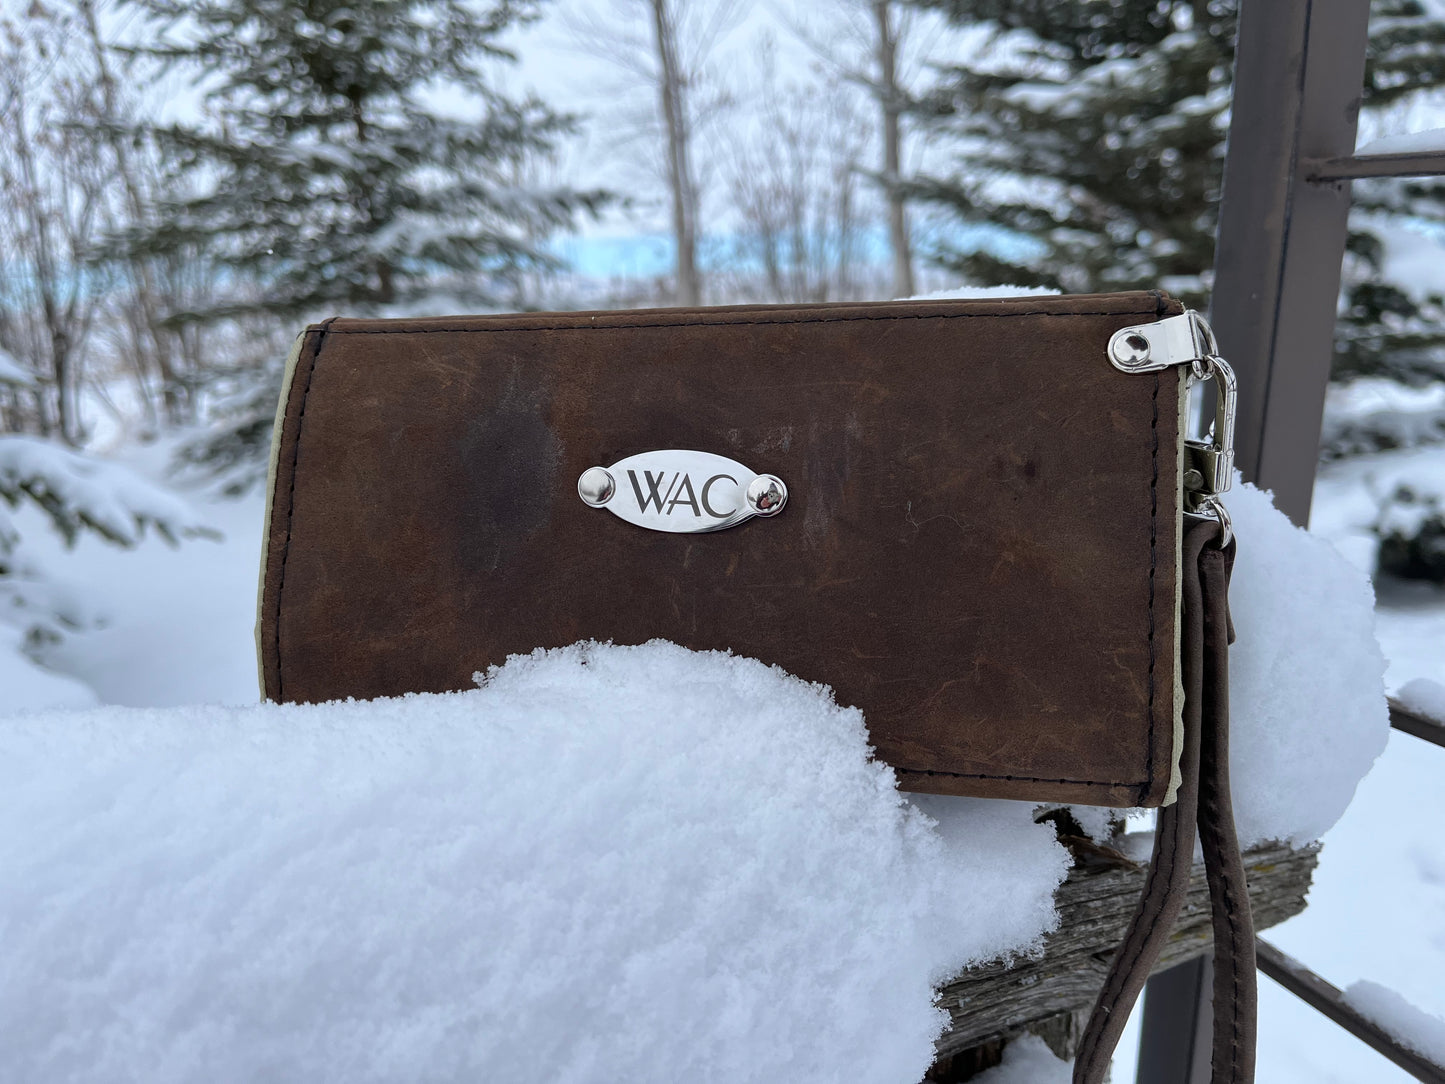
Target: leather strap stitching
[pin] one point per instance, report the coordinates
(1209, 819)
(1153, 563)
(314, 355)
(1130, 952)
(1210, 832)
(1231, 919)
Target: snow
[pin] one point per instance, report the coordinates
(1065, 94)
(976, 293)
(1418, 1030)
(1097, 824)
(180, 620)
(1422, 142)
(1308, 715)
(86, 490)
(607, 863)
(1370, 412)
(1411, 262)
(1377, 906)
(319, 157)
(1350, 494)
(29, 687)
(1061, 99)
(1028, 1060)
(1306, 677)
(1424, 697)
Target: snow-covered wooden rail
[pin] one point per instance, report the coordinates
(1052, 994)
(1424, 725)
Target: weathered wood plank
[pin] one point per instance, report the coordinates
(1096, 902)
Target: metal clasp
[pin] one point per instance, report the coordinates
(1187, 339)
(1209, 462)
(1175, 340)
(1213, 507)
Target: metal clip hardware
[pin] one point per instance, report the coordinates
(1188, 340)
(1209, 463)
(1175, 340)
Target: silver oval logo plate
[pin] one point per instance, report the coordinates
(682, 492)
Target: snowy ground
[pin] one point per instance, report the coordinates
(179, 631)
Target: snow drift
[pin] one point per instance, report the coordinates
(1307, 705)
(608, 863)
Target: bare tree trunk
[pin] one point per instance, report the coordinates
(844, 214)
(55, 315)
(793, 179)
(53, 186)
(891, 99)
(385, 292)
(673, 90)
(175, 390)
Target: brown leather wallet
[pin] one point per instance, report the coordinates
(965, 516)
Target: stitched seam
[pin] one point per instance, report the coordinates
(1128, 955)
(1130, 952)
(1231, 918)
(1153, 561)
(729, 323)
(1016, 778)
(291, 500)
(1231, 922)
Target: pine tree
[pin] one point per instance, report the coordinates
(323, 177)
(1091, 134)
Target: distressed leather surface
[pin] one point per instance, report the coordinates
(979, 547)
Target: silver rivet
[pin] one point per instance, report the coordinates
(1131, 349)
(1193, 479)
(766, 495)
(596, 487)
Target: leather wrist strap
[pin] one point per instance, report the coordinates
(1203, 799)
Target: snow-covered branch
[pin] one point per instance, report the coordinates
(79, 492)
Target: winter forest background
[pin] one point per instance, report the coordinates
(184, 186)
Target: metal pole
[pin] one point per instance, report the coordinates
(1319, 994)
(1175, 1041)
(1299, 78)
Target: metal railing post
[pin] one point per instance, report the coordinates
(1299, 78)
(1282, 233)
